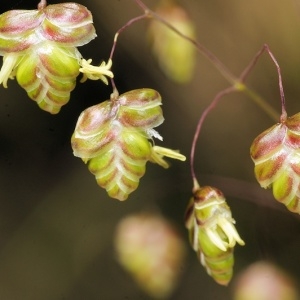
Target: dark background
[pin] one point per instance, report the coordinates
(56, 224)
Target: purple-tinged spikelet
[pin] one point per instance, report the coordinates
(112, 138)
(276, 155)
(39, 48)
(212, 232)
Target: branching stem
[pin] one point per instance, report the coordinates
(129, 23)
(240, 86)
(211, 106)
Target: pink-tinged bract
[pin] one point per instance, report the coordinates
(276, 155)
(150, 249)
(112, 139)
(264, 280)
(39, 48)
(212, 233)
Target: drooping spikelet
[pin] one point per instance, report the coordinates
(39, 48)
(112, 138)
(175, 55)
(212, 232)
(151, 250)
(276, 155)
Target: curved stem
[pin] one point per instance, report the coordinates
(208, 109)
(283, 116)
(129, 23)
(255, 97)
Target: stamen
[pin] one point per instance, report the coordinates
(9, 63)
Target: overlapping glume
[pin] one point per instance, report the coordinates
(112, 138)
(276, 155)
(212, 233)
(39, 48)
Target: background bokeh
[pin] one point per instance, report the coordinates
(57, 226)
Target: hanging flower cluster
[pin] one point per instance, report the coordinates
(276, 155)
(39, 49)
(212, 232)
(113, 139)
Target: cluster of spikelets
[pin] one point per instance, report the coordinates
(115, 138)
(39, 48)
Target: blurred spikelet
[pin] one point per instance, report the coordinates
(264, 281)
(175, 55)
(150, 249)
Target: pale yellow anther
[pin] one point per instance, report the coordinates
(158, 153)
(96, 72)
(231, 232)
(9, 63)
(216, 239)
(228, 228)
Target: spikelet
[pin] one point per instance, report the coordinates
(39, 48)
(276, 155)
(175, 55)
(151, 250)
(264, 280)
(112, 138)
(212, 232)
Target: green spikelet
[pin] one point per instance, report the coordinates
(112, 138)
(39, 48)
(212, 233)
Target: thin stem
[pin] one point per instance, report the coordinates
(208, 109)
(257, 99)
(142, 5)
(283, 110)
(129, 23)
(115, 93)
(251, 65)
(42, 4)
